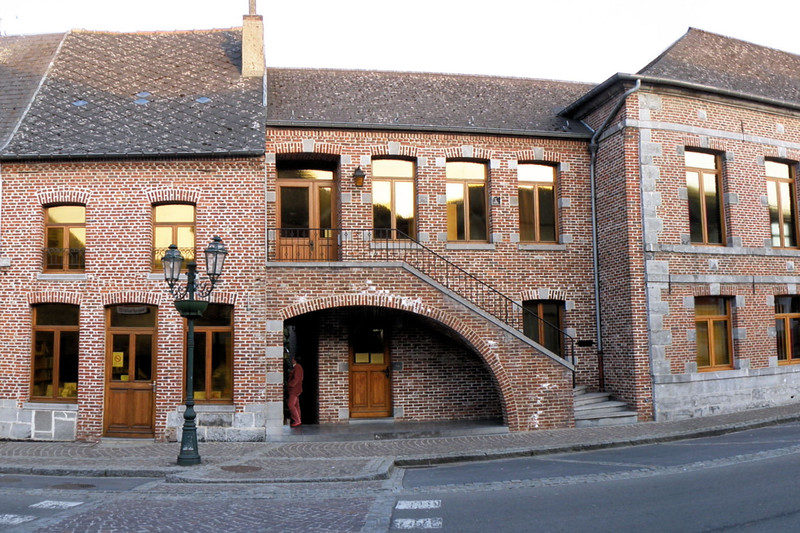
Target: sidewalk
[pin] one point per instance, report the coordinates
(348, 460)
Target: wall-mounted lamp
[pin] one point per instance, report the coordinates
(358, 177)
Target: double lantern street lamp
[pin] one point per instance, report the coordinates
(190, 309)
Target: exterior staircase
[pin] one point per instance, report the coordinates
(595, 409)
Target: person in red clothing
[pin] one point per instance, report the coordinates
(294, 388)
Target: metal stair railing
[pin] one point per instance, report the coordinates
(313, 244)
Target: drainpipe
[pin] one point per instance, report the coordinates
(594, 144)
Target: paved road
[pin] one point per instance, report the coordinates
(740, 482)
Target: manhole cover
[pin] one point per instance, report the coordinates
(73, 486)
(241, 469)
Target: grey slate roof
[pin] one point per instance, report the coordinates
(421, 101)
(154, 94)
(721, 62)
(23, 62)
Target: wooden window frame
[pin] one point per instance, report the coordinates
(539, 335)
(56, 357)
(710, 320)
(67, 251)
(788, 333)
(158, 253)
(774, 181)
(209, 331)
(465, 183)
(392, 180)
(704, 220)
(536, 215)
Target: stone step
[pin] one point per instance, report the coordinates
(579, 390)
(620, 418)
(611, 405)
(591, 397)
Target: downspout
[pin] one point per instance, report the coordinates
(594, 145)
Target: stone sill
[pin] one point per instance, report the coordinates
(660, 379)
(45, 406)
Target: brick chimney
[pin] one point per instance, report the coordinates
(253, 44)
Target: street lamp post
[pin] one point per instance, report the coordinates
(191, 308)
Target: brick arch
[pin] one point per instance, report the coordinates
(393, 149)
(163, 195)
(64, 195)
(223, 297)
(132, 297)
(415, 305)
(307, 146)
(54, 297)
(467, 152)
(538, 155)
(544, 293)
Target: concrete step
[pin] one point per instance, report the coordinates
(610, 405)
(591, 397)
(621, 418)
(579, 390)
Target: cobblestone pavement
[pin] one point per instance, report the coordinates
(269, 462)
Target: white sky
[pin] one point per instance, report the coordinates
(581, 40)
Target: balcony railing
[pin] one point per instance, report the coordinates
(385, 245)
(64, 259)
(158, 255)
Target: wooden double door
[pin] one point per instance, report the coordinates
(130, 372)
(370, 374)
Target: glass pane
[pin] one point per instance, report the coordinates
(787, 304)
(57, 315)
(325, 208)
(456, 230)
(68, 365)
(77, 246)
(368, 341)
(710, 306)
(55, 238)
(133, 316)
(43, 353)
(199, 381)
(163, 236)
(305, 174)
(144, 357)
(216, 315)
(404, 207)
(780, 333)
(294, 207)
(174, 213)
(774, 169)
(540, 173)
(392, 168)
(774, 214)
(465, 170)
(382, 205)
(478, 216)
(722, 354)
(695, 207)
(120, 357)
(185, 242)
(221, 356)
(700, 160)
(66, 214)
(527, 206)
(547, 214)
(713, 209)
(788, 212)
(703, 356)
(794, 336)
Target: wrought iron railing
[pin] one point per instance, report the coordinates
(158, 255)
(64, 259)
(385, 245)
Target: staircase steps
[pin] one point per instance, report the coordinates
(595, 409)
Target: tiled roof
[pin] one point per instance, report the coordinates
(421, 101)
(130, 94)
(23, 62)
(721, 62)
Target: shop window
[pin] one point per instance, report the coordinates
(173, 224)
(65, 238)
(712, 316)
(536, 189)
(542, 323)
(781, 200)
(704, 185)
(55, 352)
(787, 328)
(393, 198)
(467, 212)
(213, 355)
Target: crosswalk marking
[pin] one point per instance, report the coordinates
(14, 519)
(417, 523)
(54, 504)
(418, 504)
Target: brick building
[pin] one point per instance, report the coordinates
(432, 246)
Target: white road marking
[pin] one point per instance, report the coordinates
(417, 523)
(53, 504)
(14, 519)
(418, 504)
